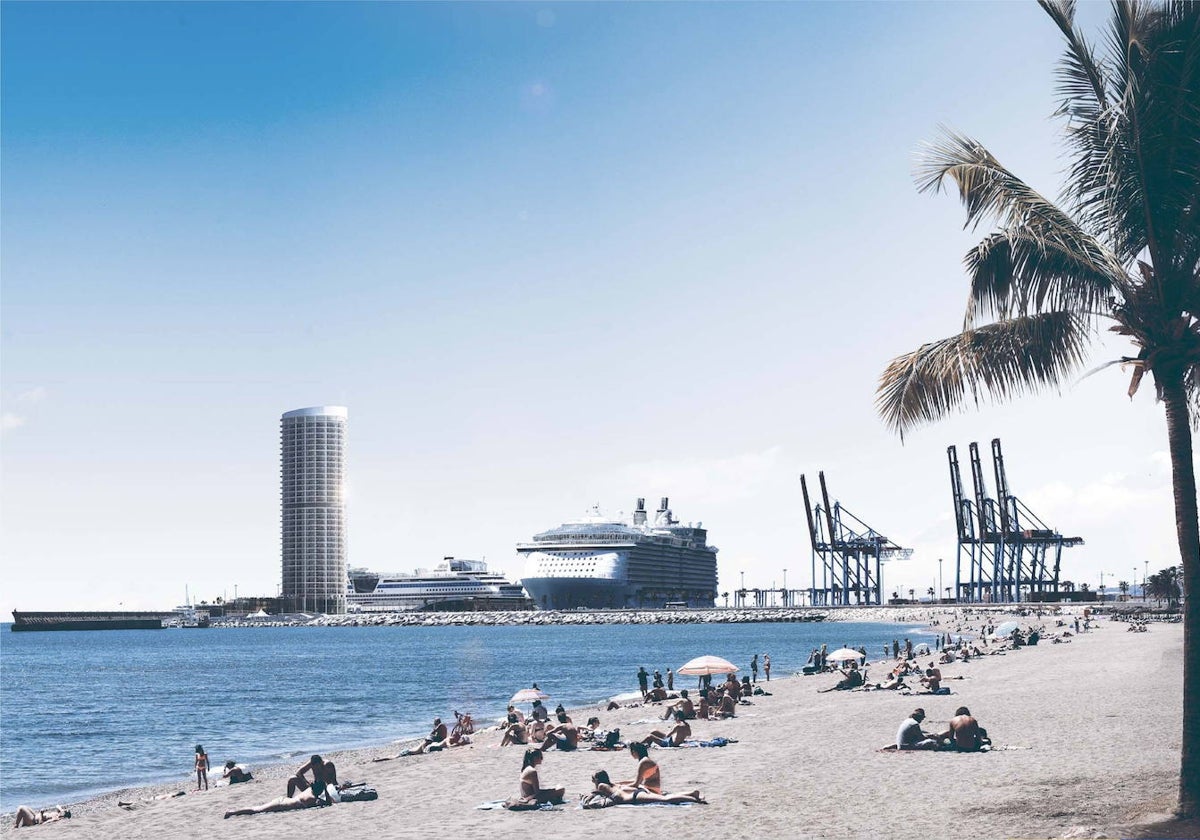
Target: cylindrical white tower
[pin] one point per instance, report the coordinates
(313, 470)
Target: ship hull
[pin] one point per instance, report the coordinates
(36, 622)
(562, 593)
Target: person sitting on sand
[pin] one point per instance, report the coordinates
(894, 681)
(513, 712)
(28, 816)
(434, 741)
(536, 730)
(605, 793)
(932, 679)
(910, 736)
(703, 710)
(684, 705)
(236, 773)
(531, 786)
(656, 695)
(514, 732)
(725, 707)
(539, 712)
(648, 777)
(851, 678)
(965, 734)
(733, 687)
(324, 775)
(679, 733)
(564, 735)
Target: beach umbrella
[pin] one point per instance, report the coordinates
(705, 665)
(842, 654)
(921, 648)
(528, 695)
(1006, 628)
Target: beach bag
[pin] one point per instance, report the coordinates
(366, 794)
(591, 801)
(612, 738)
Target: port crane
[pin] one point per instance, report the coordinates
(847, 554)
(1006, 547)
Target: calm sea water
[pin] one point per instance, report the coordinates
(87, 712)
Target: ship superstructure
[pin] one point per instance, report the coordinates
(600, 563)
(454, 583)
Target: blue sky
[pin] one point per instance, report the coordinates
(548, 254)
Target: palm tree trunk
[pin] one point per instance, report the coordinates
(1183, 483)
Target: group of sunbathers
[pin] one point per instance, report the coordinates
(963, 734)
(440, 738)
(644, 788)
(302, 793)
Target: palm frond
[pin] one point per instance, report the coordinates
(1081, 76)
(998, 361)
(1047, 265)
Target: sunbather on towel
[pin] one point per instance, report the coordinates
(679, 733)
(910, 736)
(606, 793)
(852, 678)
(531, 786)
(648, 777)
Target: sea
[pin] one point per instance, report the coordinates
(84, 713)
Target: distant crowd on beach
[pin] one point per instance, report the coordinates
(316, 782)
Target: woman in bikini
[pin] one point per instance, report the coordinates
(605, 789)
(201, 767)
(28, 816)
(531, 786)
(303, 799)
(648, 779)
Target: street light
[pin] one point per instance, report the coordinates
(785, 592)
(939, 592)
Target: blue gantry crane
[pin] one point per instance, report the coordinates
(851, 553)
(1007, 548)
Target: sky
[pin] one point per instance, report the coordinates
(550, 256)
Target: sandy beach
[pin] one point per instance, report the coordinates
(1087, 735)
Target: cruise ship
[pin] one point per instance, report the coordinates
(604, 563)
(454, 584)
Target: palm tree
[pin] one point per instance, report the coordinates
(1125, 252)
(1124, 587)
(725, 595)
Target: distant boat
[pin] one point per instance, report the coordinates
(462, 584)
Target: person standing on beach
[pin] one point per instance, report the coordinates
(201, 767)
(754, 668)
(767, 666)
(643, 679)
(670, 680)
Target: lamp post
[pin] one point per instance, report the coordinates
(1134, 580)
(1145, 579)
(939, 592)
(785, 592)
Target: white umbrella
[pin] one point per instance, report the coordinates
(842, 654)
(1006, 628)
(705, 665)
(528, 695)
(923, 647)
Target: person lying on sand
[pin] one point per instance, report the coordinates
(564, 735)
(656, 695)
(648, 777)
(679, 733)
(910, 736)
(965, 734)
(606, 794)
(324, 775)
(684, 705)
(236, 773)
(894, 681)
(531, 786)
(303, 799)
(28, 816)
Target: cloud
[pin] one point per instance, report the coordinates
(8, 421)
(32, 396)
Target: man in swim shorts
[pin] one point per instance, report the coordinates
(910, 736)
(679, 733)
(563, 735)
(965, 734)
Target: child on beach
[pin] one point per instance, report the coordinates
(201, 767)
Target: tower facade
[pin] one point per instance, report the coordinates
(313, 495)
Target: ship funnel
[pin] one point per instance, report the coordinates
(639, 514)
(663, 504)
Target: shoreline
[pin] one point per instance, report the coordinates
(728, 775)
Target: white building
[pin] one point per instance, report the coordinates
(313, 472)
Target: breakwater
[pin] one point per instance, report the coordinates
(541, 618)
